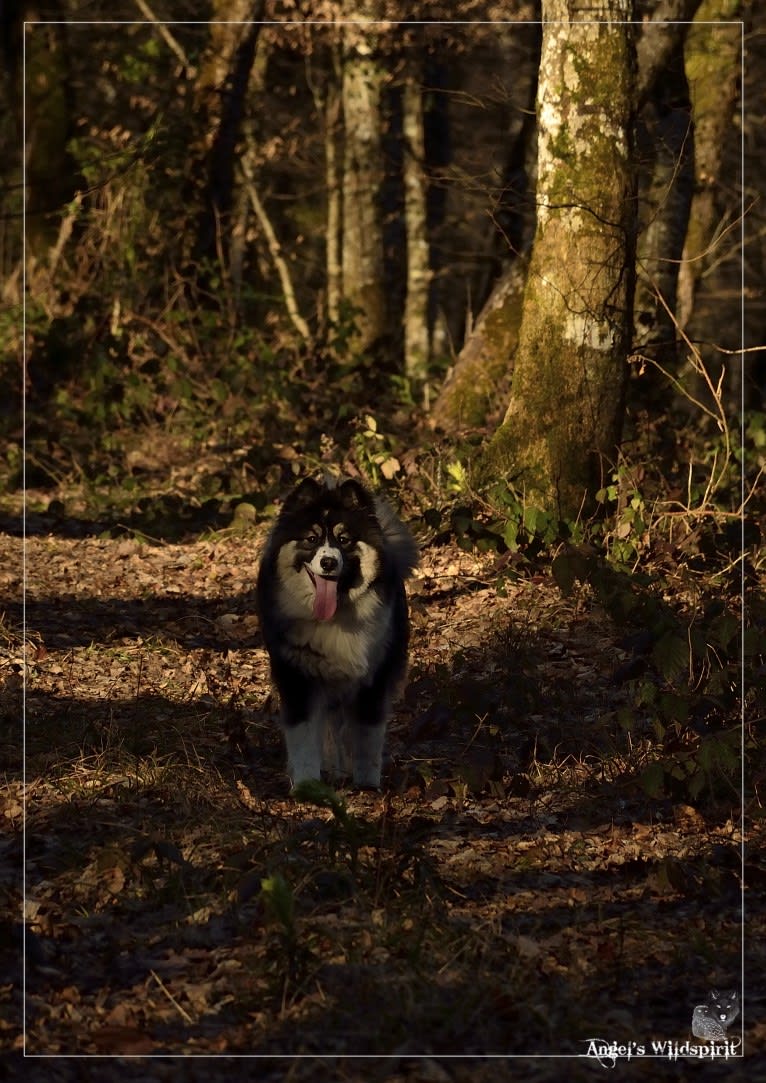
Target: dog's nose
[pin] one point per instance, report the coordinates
(328, 564)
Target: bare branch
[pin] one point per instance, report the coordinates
(276, 252)
(171, 42)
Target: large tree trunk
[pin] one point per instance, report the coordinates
(562, 427)
(363, 289)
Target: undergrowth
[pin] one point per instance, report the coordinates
(679, 579)
(169, 430)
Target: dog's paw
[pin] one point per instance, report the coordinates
(366, 780)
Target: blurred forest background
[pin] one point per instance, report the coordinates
(506, 263)
(243, 239)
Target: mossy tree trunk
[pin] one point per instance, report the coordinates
(713, 69)
(562, 427)
(478, 384)
(476, 389)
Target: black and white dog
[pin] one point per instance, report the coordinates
(334, 619)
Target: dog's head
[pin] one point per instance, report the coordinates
(330, 547)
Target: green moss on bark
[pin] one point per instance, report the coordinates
(563, 422)
(479, 384)
(711, 59)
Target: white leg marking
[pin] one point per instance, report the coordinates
(304, 750)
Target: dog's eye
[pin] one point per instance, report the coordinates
(312, 539)
(343, 540)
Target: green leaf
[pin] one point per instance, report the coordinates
(652, 780)
(714, 753)
(511, 535)
(314, 792)
(456, 471)
(279, 899)
(646, 693)
(674, 706)
(530, 519)
(625, 719)
(725, 629)
(671, 654)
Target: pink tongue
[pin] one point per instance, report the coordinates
(326, 598)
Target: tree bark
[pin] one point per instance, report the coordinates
(660, 38)
(363, 290)
(333, 244)
(478, 385)
(52, 176)
(480, 379)
(562, 427)
(240, 213)
(713, 66)
(416, 336)
(222, 90)
(275, 250)
(665, 199)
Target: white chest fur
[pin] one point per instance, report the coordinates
(350, 645)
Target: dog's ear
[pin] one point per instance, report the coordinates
(355, 497)
(304, 494)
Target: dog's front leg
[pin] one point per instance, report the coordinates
(304, 750)
(368, 753)
(304, 746)
(372, 711)
(336, 751)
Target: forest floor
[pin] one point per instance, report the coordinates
(512, 890)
